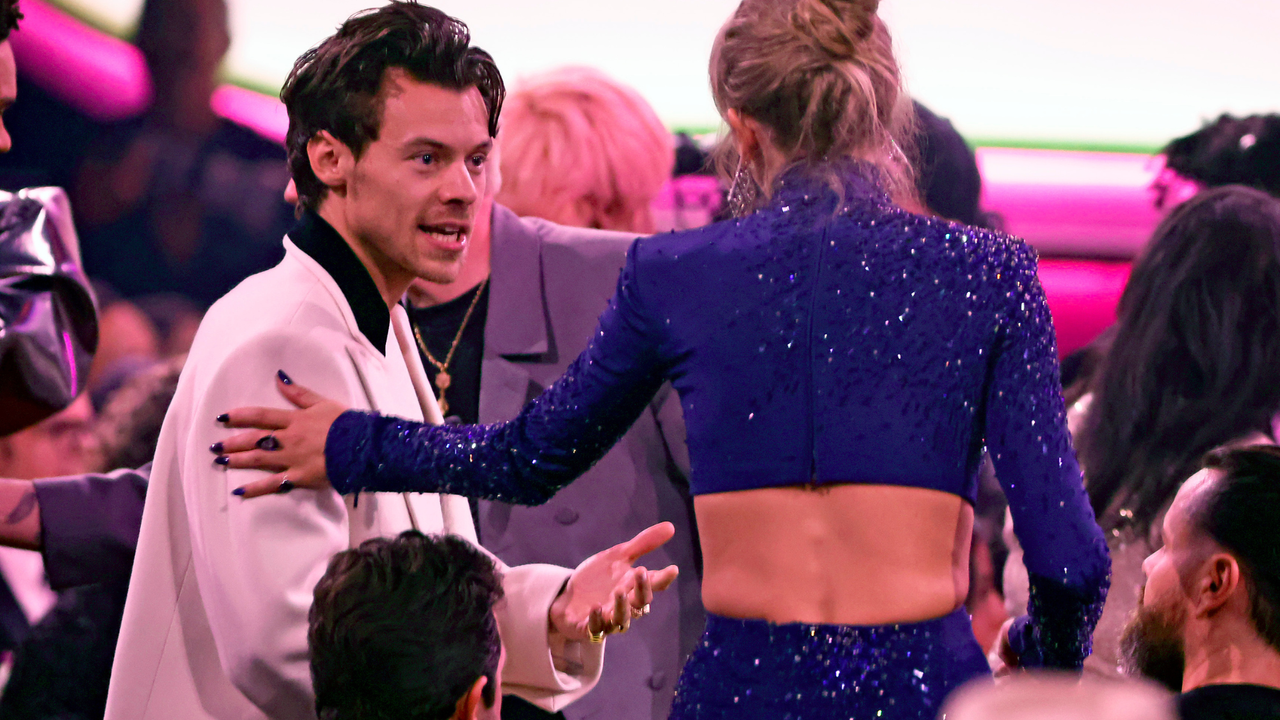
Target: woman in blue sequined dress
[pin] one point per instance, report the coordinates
(842, 365)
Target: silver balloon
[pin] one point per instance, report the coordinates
(48, 315)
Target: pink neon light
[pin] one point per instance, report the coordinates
(262, 113)
(1082, 296)
(107, 79)
(1076, 203)
(104, 77)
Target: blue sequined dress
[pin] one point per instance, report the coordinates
(830, 337)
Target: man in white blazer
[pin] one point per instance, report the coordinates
(391, 120)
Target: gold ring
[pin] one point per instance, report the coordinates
(596, 637)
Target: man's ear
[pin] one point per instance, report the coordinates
(470, 705)
(331, 160)
(1219, 582)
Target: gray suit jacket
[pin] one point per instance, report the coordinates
(549, 285)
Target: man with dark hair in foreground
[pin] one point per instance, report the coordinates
(1208, 621)
(404, 628)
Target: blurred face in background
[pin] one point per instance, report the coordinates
(63, 444)
(8, 90)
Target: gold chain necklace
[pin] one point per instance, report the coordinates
(443, 379)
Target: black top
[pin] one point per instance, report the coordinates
(317, 238)
(437, 326)
(1230, 702)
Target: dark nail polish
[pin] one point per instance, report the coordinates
(222, 460)
(239, 492)
(224, 418)
(216, 448)
(284, 378)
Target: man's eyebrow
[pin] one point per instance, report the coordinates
(425, 142)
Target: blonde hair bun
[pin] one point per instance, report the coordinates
(837, 27)
(822, 77)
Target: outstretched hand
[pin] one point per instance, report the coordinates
(289, 443)
(606, 592)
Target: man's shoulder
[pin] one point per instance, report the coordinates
(587, 243)
(286, 306)
(586, 240)
(274, 298)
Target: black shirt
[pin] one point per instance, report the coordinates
(437, 326)
(317, 238)
(1230, 702)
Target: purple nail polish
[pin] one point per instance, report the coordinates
(238, 492)
(216, 448)
(284, 378)
(222, 460)
(223, 418)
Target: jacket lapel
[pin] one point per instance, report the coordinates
(430, 512)
(516, 327)
(380, 515)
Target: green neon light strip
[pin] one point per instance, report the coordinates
(1076, 145)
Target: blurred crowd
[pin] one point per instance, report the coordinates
(177, 206)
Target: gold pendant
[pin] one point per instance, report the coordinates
(442, 383)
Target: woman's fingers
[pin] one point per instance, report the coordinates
(279, 484)
(266, 418)
(254, 459)
(297, 394)
(258, 488)
(238, 443)
(263, 418)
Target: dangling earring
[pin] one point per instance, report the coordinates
(744, 192)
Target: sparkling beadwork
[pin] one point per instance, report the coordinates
(826, 672)
(845, 340)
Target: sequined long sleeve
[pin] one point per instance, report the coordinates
(556, 437)
(1065, 551)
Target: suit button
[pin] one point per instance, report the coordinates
(566, 516)
(658, 681)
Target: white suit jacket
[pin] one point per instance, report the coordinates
(216, 619)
